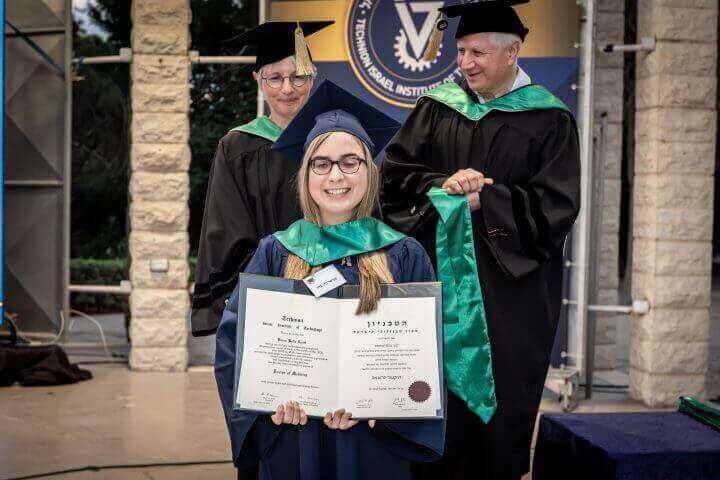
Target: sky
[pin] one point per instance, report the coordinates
(81, 16)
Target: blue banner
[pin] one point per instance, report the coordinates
(375, 48)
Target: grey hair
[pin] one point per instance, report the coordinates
(502, 39)
(262, 70)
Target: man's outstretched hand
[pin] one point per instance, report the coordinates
(466, 181)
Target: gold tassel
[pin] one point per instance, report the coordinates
(433, 46)
(303, 64)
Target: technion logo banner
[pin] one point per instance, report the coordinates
(375, 48)
(385, 44)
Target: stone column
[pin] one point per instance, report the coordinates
(159, 185)
(609, 102)
(673, 201)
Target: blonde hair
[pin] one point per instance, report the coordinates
(372, 266)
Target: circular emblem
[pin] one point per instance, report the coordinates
(386, 42)
(419, 391)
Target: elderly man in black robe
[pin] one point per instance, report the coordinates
(511, 148)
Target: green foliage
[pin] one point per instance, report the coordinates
(105, 271)
(193, 264)
(93, 271)
(101, 140)
(222, 97)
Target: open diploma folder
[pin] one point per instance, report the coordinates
(316, 351)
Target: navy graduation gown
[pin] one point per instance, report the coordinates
(314, 451)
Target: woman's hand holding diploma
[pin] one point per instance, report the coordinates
(342, 420)
(289, 413)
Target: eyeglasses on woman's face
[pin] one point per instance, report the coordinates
(275, 80)
(348, 164)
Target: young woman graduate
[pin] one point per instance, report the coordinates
(249, 191)
(337, 185)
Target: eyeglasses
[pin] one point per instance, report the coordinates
(276, 81)
(347, 165)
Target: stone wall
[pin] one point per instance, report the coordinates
(159, 185)
(609, 101)
(673, 201)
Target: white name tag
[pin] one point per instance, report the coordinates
(325, 280)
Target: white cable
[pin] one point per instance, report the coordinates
(11, 319)
(97, 324)
(27, 336)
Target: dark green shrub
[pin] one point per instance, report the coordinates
(92, 271)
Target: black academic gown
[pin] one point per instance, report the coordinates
(519, 233)
(251, 194)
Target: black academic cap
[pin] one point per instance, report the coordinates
(487, 16)
(331, 109)
(273, 41)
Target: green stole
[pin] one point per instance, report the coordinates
(468, 361)
(531, 97)
(468, 358)
(261, 127)
(701, 412)
(319, 245)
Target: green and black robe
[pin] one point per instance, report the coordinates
(251, 194)
(527, 142)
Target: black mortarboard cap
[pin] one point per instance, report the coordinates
(487, 16)
(333, 109)
(273, 41)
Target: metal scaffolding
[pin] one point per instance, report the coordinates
(37, 114)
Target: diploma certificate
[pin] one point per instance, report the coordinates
(316, 351)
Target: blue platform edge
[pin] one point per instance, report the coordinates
(647, 445)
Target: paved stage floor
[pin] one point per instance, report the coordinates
(119, 417)
(134, 418)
